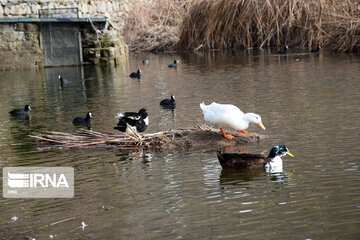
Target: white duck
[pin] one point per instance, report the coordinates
(229, 116)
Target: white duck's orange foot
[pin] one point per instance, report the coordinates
(228, 136)
(242, 132)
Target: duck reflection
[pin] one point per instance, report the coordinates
(230, 176)
(129, 156)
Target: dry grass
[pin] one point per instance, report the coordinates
(154, 25)
(200, 137)
(216, 24)
(162, 25)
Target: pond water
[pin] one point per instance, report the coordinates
(308, 102)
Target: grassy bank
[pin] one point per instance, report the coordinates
(218, 24)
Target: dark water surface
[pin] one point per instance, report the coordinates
(308, 102)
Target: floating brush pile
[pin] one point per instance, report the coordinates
(179, 139)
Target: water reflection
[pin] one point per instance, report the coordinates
(235, 176)
(278, 177)
(307, 102)
(130, 155)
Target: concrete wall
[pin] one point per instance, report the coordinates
(115, 10)
(19, 42)
(20, 46)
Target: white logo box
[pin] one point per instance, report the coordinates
(38, 182)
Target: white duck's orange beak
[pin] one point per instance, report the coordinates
(261, 125)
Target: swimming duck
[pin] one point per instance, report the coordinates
(271, 163)
(230, 116)
(83, 120)
(168, 102)
(174, 64)
(284, 50)
(315, 50)
(63, 80)
(146, 61)
(136, 74)
(21, 111)
(138, 120)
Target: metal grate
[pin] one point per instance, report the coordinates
(59, 13)
(61, 44)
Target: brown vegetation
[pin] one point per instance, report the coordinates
(173, 140)
(217, 24)
(258, 23)
(154, 25)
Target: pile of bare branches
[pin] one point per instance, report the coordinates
(201, 136)
(85, 138)
(216, 24)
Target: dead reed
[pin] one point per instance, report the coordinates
(154, 25)
(85, 138)
(218, 24)
(130, 139)
(201, 136)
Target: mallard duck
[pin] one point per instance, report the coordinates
(21, 111)
(248, 160)
(174, 64)
(138, 120)
(82, 120)
(284, 50)
(315, 50)
(169, 103)
(229, 116)
(135, 74)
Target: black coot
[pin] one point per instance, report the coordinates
(83, 120)
(21, 111)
